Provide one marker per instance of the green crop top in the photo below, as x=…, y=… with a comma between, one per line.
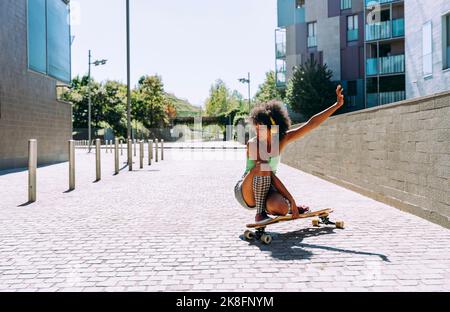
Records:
x=273, y=163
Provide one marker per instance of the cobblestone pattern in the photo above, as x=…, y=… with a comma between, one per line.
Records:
x=175, y=226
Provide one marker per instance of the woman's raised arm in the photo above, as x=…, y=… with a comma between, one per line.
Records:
x=314, y=121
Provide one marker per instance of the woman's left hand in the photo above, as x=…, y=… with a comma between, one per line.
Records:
x=303, y=209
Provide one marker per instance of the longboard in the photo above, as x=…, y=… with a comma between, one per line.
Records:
x=267, y=239
x=323, y=212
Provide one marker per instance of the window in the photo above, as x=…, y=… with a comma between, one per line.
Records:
x=37, y=51
x=346, y=4
x=427, y=50
x=299, y=3
x=49, y=38
x=352, y=28
x=312, y=39
x=446, y=41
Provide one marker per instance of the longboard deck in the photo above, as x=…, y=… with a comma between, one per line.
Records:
x=318, y=213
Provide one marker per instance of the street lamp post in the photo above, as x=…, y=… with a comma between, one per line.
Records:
x=247, y=81
x=128, y=73
x=96, y=63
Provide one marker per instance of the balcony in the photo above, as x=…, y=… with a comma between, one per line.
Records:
x=280, y=50
x=386, y=65
x=312, y=42
x=370, y=3
x=280, y=73
x=382, y=98
x=281, y=79
x=352, y=35
x=385, y=30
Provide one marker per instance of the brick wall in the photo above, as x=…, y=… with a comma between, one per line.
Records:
x=29, y=109
x=398, y=154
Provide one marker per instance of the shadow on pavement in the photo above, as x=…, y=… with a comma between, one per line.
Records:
x=149, y=170
x=26, y=204
x=289, y=246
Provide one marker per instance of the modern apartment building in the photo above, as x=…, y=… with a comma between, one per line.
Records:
x=34, y=63
x=328, y=31
x=382, y=51
x=427, y=47
x=385, y=51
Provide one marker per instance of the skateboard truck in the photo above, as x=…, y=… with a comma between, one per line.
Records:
x=326, y=221
x=259, y=234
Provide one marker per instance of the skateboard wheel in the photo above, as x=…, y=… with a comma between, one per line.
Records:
x=249, y=235
x=266, y=239
x=315, y=222
x=339, y=224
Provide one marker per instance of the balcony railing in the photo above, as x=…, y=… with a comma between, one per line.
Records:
x=385, y=30
x=382, y=98
x=370, y=3
x=398, y=27
x=392, y=64
x=351, y=100
x=385, y=65
x=352, y=34
x=281, y=79
x=312, y=42
x=281, y=50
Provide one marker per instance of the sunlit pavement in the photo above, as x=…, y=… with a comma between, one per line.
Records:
x=175, y=226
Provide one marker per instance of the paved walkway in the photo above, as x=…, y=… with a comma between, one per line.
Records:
x=176, y=226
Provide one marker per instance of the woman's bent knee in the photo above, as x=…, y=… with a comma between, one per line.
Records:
x=277, y=205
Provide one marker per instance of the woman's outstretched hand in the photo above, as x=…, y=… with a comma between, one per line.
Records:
x=340, y=96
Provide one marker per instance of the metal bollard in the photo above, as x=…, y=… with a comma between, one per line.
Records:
x=106, y=146
x=130, y=155
x=116, y=155
x=150, y=152
x=134, y=147
x=32, y=164
x=121, y=148
x=97, y=160
x=162, y=150
x=111, y=146
x=156, y=150
x=71, y=165
x=141, y=154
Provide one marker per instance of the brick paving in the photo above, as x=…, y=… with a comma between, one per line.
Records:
x=175, y=226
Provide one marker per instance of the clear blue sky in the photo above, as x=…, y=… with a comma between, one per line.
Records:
x=190, y=43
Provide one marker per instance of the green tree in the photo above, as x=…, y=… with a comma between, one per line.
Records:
x=221, y=100
x=268, y=90
x=149, y=102
x=217, y=101
x=113, y=101
x=310, y=90
x=108, y=108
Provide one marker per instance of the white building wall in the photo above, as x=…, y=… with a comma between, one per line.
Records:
x=418, y=12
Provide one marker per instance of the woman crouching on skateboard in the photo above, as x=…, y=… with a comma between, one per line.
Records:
x=259, y=188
